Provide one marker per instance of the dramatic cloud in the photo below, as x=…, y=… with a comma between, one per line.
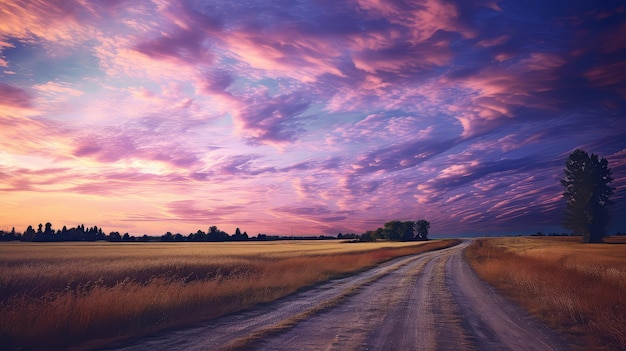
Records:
x=308, y=116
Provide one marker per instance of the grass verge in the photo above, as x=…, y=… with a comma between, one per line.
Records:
x=577, y=289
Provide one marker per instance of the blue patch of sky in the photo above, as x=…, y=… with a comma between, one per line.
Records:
x=273, y=86
x=17, y=57
x=319, y=119
x=35, y=62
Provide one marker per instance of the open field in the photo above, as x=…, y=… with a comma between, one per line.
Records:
x=77, y=295
x=578, y=289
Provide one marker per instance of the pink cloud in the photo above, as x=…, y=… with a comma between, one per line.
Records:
x=14, y=97
x=118, y=58
x=64, y=22
x=56, y=88
x=28, y=179
x=116, y=144
x=495, y=41
x=187, y=210
x=24, y=132
x=284, y=54
x=423, y=18
x=272, y=120
x=541, y=62
x=56, y=97
x=496, y=91
x=403, y=58
x=3, y=61
x=611, y=76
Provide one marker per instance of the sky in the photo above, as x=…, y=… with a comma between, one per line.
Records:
x=306, y=117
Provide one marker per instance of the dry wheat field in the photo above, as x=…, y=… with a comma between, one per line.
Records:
x=84, y=295
x=578, y=289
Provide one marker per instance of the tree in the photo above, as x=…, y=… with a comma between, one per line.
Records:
x=29, y=234
x=238, y=236
x=367, y=236
x=422, y=227
x=215, y=234
x=407, y=229
x=380, y=233
x=48, y=232
x=115, y=236
x=167, y=237
x=199, y=236
x=587, y=193
x=393, y=230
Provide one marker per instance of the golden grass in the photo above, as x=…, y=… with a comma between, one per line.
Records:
x=578, y=289
x=80, y=295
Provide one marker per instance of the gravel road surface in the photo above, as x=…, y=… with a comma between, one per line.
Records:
x=429, y=301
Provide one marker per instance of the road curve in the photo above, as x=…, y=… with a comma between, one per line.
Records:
x=429, y=301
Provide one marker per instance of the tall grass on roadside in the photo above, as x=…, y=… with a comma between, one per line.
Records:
x=578, y=289
x=86, y=299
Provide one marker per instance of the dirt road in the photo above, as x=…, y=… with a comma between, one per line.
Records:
x=430, y=301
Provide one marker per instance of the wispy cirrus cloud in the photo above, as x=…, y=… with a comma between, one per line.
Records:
x=324, y=116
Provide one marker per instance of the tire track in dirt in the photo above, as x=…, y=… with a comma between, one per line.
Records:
x=417, y=321
x=493, y=322
x=348, y=326
x=429, y=301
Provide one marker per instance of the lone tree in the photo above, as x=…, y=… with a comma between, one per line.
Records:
x=587, y=193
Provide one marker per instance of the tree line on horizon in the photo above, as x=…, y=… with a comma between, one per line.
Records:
x=393, y=231
x=45, y=233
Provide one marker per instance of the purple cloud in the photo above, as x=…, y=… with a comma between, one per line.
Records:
x=243, y=165
x=402, y=156
x=273, y=119
x=185, y=46
x=115, y=144
x=12, y=96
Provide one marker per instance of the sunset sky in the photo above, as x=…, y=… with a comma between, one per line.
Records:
x=322, y=116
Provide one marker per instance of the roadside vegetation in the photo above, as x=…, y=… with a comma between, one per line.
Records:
x=58, y=296
x=577, y=289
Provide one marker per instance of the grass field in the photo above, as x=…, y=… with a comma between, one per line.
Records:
x=578, y=289
x=57, y=296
